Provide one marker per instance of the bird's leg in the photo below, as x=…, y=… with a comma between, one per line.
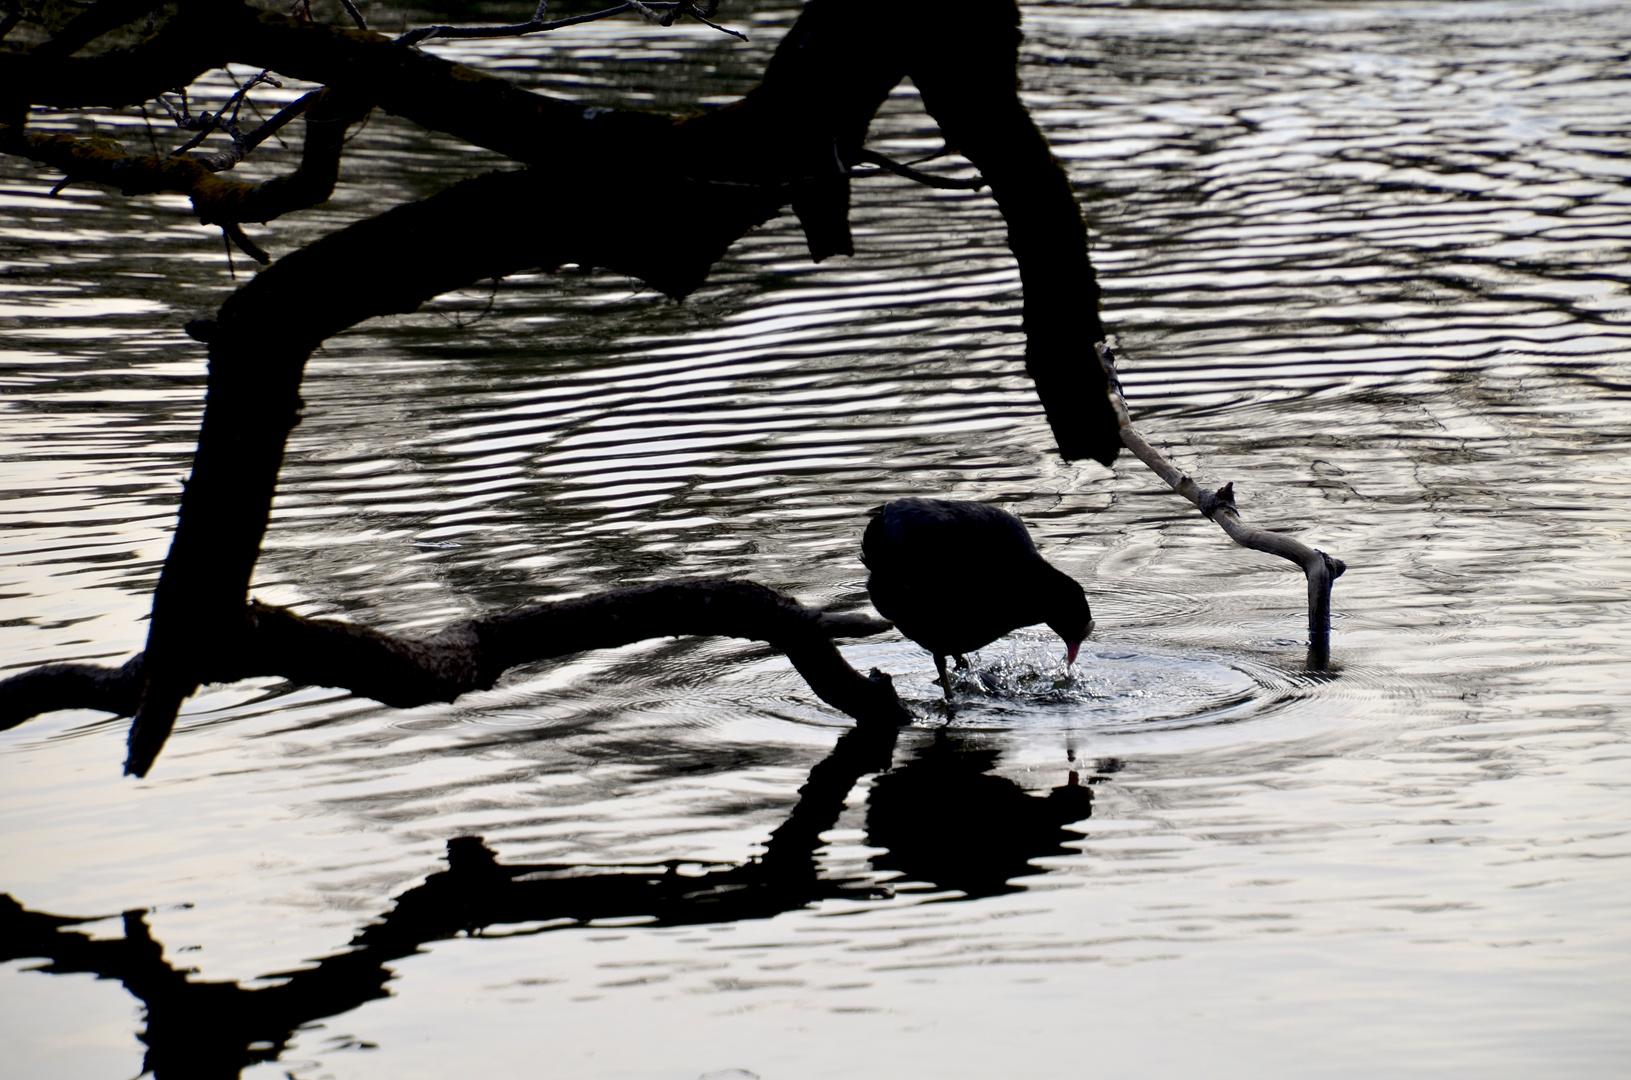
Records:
x=962, y=662
x=945, y=680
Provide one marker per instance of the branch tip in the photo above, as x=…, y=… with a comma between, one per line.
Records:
x=1319, y=568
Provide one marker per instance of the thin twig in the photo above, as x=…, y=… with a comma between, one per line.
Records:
x=207, y=123
x=152, y=139
x=885, y=164
x=247, y=246
x=1320, y=569
x=537, y=25
x=356, y=16
x=705, y=16
x=243, y=145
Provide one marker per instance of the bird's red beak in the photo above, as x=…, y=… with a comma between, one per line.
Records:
x=1070, y=652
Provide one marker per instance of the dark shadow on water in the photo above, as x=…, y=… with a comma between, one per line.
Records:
x=946, y=821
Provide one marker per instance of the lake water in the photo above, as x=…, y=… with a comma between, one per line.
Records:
x=1368, y=261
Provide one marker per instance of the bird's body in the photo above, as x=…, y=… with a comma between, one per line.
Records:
x=956, y=576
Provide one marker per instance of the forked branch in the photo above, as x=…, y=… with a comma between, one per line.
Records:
x=1319, y=568
x=216, y=199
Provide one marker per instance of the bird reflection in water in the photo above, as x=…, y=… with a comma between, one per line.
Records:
x=947, y=824
x=946, y=820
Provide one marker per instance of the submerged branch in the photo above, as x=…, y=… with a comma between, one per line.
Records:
x=405, y=672
x=1320, y=569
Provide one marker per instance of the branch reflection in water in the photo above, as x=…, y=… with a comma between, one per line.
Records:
x=946, y=824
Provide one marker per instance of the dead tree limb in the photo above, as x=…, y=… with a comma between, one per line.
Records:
x=885, y=164
x=216, y=199
x=71, y=686
x=469, y=656
x=791, y=140
x=538, y=24
x=1219, y=506
x=356, y=16
x=91, y=24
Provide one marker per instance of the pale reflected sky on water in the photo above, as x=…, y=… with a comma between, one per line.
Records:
x=1366, y=261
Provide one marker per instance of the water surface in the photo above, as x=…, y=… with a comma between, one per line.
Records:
x=1366, y=261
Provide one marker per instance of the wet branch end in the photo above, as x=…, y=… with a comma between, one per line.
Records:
x=1219, y=506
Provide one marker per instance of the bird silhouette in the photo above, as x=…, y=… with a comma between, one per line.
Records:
x=956, y=576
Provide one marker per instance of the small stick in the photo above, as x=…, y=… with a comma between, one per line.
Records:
x=885, y=164
x=537, y=25
x=236, y=234
x=1320, y=569
x=356, y=16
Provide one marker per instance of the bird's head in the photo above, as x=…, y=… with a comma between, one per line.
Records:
x=1068, y=614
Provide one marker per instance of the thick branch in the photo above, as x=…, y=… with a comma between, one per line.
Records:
x=791, y=139
x=482, y=109
x=71, y=686
x=965, y=67
x=385, y=265
x=91, y=24
x=184, y=48
x=1320, y=569
x=405, y=672
x=472, y=655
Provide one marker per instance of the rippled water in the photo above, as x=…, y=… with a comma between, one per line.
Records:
x=1367, y=261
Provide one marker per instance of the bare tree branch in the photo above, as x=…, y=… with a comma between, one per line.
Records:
x=1219, y=506
x=71, y=686
x=244, y=145
x=208, y=123
x=405, y=672
x=216, y=200
x=872, y=157
x=236, y=234
x=91, y=24
x=735, y=167
x=356, y=16
x=537, y=25
x=185, y=47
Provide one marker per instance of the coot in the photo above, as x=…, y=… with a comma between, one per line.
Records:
x=956, y=576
